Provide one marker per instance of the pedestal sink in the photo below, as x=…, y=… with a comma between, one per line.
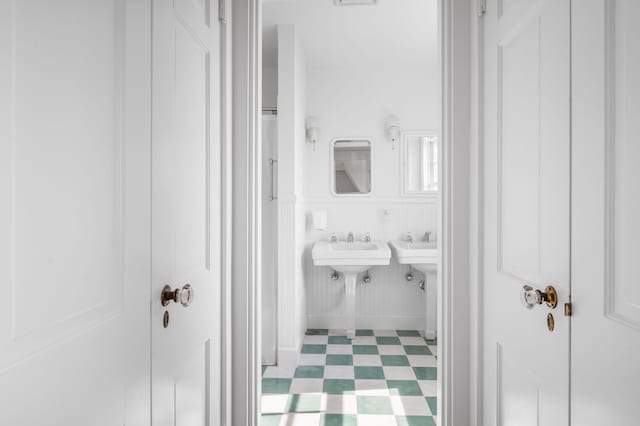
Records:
x=423, y=256
x=350, y=259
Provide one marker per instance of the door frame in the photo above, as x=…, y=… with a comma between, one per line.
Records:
x=459, y=316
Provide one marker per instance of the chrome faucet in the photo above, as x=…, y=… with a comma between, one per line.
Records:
x=427, y=236
x=333, y=238
x=409, y=237
x=367, y=238
x=350, y=237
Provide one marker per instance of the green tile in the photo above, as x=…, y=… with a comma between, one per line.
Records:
x=309, y=372
x=426, y=373
x=304, y=404
x=339, y=340
x=317, y=332
x=433, y=404
x=338, y=386
x=369, y=373
x=404, y=387
x=364, y=332
x=365, y=349
x=415, y=421
x=270, y=419
x=431, y=341
x=384, y=340
x=339, y=359
x=338, y=420
x=395, y=360
x=374, y=405
x=276, y=385
x=417, y=350
x=314, y=349
x=408, y=333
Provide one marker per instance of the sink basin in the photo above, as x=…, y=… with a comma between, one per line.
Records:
x=350, y=259
x=350, y=254
x=421, y=255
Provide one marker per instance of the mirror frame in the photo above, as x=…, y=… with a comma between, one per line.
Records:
x=403, y=163
x=332, y=186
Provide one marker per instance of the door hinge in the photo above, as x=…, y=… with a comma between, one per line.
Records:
x=568, y=309
x=482, y=7
x=222, y=11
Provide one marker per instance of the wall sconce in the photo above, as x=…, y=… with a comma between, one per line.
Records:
x=313, y=131
x=392, y=129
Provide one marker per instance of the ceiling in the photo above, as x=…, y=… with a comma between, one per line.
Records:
x=394, y=34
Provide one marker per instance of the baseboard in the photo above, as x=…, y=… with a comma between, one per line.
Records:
x=430, y=334
x=368, y=322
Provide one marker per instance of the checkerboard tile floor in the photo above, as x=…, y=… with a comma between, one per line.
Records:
x=381, y=377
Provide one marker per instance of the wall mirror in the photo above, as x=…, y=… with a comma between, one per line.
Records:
x=351, y=167
x=419, y=150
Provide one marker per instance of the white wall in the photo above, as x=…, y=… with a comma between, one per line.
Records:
x=356, y=104
x=291, y=130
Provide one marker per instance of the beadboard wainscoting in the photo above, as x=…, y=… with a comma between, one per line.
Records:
x=389, y=301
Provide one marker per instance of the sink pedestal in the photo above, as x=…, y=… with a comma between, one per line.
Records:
x=350, y=273
x=350, y=304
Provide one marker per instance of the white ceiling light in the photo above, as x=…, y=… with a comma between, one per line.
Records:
x=355, y=2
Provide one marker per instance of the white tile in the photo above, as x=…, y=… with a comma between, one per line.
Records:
x=391, y=350
x=368, y=360
x=316, y=340
x=279, y=372
x=433, y=349
x=399, y=373
x=429, y=387
x=300, y=419
x=372, y=387
x=338, y=372
x=272, y=403
x=413, y=341
x=385, y=333
x=376, y=420
x=306, y=386
x=364, y=340
x=312, y=359
x=422, y=360
x=410, y=406
x=339, y=349
x=340, y=404
x=337, y=332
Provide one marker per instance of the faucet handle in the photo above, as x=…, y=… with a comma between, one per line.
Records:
x=333, y=238
x=350, y=237
x=409, y=237
x=427, y=236
x=367, y=237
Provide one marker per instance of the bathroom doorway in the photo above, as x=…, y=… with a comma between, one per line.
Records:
x=350, y=167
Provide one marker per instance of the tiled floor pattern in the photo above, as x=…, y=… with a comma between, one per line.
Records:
x=380, y=378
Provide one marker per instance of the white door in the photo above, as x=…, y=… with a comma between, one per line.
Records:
x=527, y=210
x=269, y=239
x=186, y=213
x=605, y=331
x=74, y=212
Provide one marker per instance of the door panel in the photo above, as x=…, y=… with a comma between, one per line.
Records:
x=73, y=239
x=527, y=208
x=186, y=212
x=605, y=156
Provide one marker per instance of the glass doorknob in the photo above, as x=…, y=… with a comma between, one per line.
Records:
x=531, y=297
x=183, y=295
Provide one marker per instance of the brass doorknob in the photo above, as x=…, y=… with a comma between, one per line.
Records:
x=531, y=297
x=183, y=295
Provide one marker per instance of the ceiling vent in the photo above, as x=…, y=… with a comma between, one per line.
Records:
x=355, y=2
